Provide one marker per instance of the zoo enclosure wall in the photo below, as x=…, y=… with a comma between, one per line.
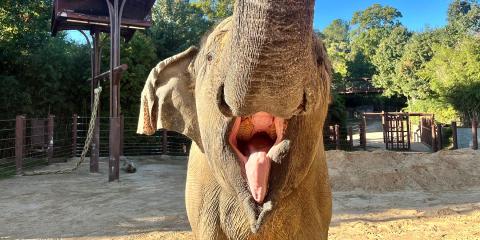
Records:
x=27, y=143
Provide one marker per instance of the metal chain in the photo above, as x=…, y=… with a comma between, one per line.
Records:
x=86, y=147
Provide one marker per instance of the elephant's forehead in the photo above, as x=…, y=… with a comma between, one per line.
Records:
x=218, y=34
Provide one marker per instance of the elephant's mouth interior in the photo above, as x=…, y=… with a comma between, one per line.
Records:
x=252, y=137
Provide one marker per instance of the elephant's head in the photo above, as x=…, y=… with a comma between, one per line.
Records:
x=256, y=91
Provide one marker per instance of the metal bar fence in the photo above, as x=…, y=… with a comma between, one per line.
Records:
x=133, y=144
x=27, y=143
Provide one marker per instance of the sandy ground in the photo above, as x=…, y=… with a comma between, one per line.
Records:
x=377, y=195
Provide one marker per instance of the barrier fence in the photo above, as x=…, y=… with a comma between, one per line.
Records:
x=26, y=143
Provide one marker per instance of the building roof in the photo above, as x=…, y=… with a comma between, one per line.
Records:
x=93, y=15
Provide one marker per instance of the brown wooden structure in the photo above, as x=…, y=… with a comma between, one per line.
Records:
x=397, y=129
x=118, y=18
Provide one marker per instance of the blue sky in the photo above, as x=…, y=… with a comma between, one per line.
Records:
x=417, y=14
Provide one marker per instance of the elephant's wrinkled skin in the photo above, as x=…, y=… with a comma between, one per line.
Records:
x=260, y=78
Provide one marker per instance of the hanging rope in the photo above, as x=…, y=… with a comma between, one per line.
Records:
x=88, y=141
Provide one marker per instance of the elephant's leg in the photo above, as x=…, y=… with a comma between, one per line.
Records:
x=202, y=198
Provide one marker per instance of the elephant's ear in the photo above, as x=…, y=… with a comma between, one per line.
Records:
x=168, y=98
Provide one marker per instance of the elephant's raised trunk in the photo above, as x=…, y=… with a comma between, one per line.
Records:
x=269, y=55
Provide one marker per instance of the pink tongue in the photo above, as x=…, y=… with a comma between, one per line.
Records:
x=257, y=170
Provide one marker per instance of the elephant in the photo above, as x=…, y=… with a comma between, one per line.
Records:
x=253, y=98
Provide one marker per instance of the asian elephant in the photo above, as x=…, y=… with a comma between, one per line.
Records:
x=253, y=99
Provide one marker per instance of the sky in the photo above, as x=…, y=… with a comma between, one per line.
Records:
x=417, y=14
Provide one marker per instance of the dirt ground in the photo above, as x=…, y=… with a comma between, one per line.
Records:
x=377, y=195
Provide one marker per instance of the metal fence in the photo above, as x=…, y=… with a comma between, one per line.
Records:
x=133, y=144
x=31, y=142
x=26, y=143
x=7, y=146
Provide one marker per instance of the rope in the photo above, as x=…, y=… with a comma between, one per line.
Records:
x=88, y=141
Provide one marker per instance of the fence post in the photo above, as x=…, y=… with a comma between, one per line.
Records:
x=434, y=135
x=409, y=135
x=474, y=134
x=362, y=136
x=50, y=129
x=122, y=132
x=350, y=137
x=19, y=142
x=74, y=134
x=440, y=136
x=454, y=135
x=164, y=141
x=337, y=137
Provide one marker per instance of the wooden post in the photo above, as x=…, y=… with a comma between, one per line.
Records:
x=363, y=135
x=383, y=126
x=122, y=133
x=474, y=134
x=19, y=142
x=440, y=136
x=386, y=129
x=164, y=142
x=337, y=137
x=408, y=132
x=96, y=65
x=434, y=135
x=454, y=135
x=350, y=137
x=50, y=129
x=74, y=134
x=114, y=140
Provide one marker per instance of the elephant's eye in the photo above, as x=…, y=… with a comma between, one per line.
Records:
x=210, y=56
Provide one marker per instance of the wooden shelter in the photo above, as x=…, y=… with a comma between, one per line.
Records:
x=119, y=18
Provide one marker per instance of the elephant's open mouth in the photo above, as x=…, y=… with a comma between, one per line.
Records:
x=257, y=140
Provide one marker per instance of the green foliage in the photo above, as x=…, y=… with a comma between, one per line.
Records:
x=337, y=112
x=39, y=74
x=216, y=10
x=337, y=44
x=417, y=52
x=436, y=70
x=454, y=73
x=444, y=112
x=371, y=26
x=140, y=56
x=177, y=25
x=377, y=16
x=464, y=17
x=386, y=58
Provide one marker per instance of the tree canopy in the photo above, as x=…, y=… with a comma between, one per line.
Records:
x=437, y=70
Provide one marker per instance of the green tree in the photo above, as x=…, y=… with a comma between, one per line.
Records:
x=215, y=10
x=464, y=16
x=140, y=56
x=389, y=52
x=39, y=74
x=454, y=73
x=417, y=53
x=337, y=44
x=371, y=25
x=177, y=25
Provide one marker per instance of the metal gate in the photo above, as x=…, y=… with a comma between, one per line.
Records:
x=396, y=131
x=428, y=131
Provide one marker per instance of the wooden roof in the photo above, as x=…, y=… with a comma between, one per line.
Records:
x=93, y=15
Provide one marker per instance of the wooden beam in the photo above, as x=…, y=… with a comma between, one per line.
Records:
x=104, y=76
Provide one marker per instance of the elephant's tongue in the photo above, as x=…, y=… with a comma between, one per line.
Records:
x=257, y=167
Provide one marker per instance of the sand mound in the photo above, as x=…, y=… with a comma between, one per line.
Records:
x=383, y=171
